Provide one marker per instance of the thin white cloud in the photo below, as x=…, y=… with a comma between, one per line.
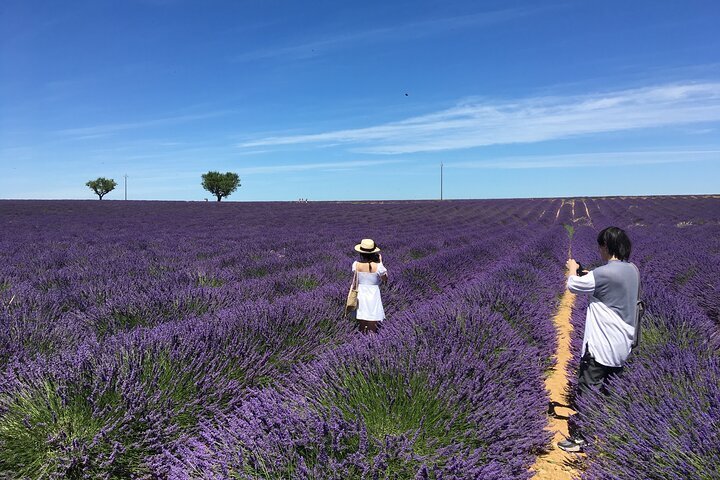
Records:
x=98, y=130
x=349, y=165
x=411, y=30
x=252, y=152
x=477, y=123
x=91, y=137
x=603, y=159
x=698, y=131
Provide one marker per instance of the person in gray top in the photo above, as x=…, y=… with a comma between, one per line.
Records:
x=610, y=328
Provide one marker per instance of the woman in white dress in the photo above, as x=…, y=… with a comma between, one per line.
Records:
x=370, y=274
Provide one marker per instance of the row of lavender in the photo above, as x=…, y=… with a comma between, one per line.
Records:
x=662, y=418
x=70, y=274
x=449, y=389
x=132, y=333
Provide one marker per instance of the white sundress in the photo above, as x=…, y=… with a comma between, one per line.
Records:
x=370, y=305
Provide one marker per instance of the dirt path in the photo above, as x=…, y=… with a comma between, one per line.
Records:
x=564, y=202
x=556, y=464
x=587, y=212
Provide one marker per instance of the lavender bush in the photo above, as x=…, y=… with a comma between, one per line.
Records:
x=120, y=343
x=187, y=340
x=445, y=391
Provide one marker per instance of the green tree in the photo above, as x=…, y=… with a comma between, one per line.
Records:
x=102, y=186
x=220, y=184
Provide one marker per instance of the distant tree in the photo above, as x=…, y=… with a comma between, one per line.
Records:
x=102, y=186
x=220, y=184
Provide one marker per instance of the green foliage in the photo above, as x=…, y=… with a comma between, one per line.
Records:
x=119, y=321
x=158, y=271
x=174, y=380
x=102, y=186
x=416, y=253
x=682, y=278
x=256, y=272
x=394, y=404
x=514, y=315
x=571, y=232
x=220, y=184
x=41, y=430
x=655, y=334
x=204, y=280
x=290, y=339
x=306, y=282
x=59, y=428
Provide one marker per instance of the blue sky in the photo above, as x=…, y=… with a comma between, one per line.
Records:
x=331, y=100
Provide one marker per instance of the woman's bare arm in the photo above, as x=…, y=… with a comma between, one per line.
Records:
x=384, y=277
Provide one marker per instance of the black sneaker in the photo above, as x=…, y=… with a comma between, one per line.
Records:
x=572, y=445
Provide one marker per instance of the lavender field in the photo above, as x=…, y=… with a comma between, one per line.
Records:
x=205, y=340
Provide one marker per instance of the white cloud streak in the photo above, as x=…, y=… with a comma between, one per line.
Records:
x=478, y=123
x=411, y=30
x=603, y=159
x=103, y=130
x=327, y=166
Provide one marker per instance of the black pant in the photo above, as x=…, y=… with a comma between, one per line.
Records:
x=590, y=374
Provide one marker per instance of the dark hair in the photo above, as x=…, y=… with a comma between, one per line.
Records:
x=370, y=257
x=617, y=242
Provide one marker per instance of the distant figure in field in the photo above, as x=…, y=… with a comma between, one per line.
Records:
x=370, y=274
x=610, y=325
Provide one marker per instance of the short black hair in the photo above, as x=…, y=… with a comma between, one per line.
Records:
x=617, y=242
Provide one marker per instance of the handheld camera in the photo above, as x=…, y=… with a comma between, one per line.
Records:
x=580, y=271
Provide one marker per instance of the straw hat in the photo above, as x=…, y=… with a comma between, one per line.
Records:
x=366, y=246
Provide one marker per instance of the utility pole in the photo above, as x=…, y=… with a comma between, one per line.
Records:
x=126, y=186
x=441, y=180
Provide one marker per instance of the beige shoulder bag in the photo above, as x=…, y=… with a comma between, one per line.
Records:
x=352, y=301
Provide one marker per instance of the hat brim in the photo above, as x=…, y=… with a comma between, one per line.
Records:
x=360, y=250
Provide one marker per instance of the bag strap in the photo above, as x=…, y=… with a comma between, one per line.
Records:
x=638, y=305
x=639, y=295
x=353, y=285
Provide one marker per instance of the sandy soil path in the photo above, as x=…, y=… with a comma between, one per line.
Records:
x=557, y=464
x=587, y=212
